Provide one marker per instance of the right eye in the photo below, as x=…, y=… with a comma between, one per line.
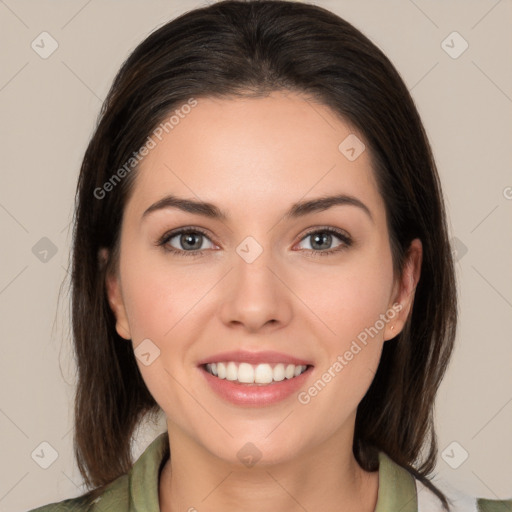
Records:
x=190, y=239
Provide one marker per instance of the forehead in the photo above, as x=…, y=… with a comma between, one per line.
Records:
x=251, y=152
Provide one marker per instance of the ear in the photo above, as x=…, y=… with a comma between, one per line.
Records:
x=115, y=297
x=405, y=288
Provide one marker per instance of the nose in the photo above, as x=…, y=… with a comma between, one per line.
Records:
x=254, y=296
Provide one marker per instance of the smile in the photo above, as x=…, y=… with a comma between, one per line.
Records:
x=246, y=373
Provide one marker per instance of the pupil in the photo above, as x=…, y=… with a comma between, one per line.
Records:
x=188, y=238
x=326, y=237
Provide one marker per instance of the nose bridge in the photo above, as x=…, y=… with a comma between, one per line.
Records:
x=252, y=270
x=256, y=296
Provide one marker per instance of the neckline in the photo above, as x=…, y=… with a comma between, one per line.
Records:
x=396, y=490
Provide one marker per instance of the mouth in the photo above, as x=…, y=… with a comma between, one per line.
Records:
x=255, y=379
x=262, y=374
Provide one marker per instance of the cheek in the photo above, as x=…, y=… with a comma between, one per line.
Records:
x=352, y=297
x=157, y=295
x=352, y=302
x=159, y=300
x=352, y=354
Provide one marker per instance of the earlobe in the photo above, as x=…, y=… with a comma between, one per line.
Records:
x=116, y=302
x=404, y=297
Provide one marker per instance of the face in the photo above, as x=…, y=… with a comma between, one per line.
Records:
x=311, y=287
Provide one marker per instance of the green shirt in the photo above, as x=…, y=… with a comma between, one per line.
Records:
x=137, y=491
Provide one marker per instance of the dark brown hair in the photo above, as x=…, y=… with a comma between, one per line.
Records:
x=235, y=48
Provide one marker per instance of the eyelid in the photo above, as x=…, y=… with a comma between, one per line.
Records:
x=179, y=231
x=344, y=236
x=330, y=229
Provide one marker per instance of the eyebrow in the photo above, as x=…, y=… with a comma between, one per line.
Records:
x=297, y=210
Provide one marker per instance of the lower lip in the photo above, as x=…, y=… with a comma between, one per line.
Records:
x=255, y=395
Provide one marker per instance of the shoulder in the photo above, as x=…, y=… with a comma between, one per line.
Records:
x=115, y=497
x=135, y=490
x=485, y=505
x=399, y=489
x=458, y=500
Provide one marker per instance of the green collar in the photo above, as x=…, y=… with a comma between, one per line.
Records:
x=397, y=488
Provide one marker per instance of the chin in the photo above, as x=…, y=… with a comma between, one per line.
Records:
x=258, y=449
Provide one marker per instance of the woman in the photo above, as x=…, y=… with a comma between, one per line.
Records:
x=239, y=143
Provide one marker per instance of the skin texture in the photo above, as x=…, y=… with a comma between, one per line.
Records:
x=253, y=158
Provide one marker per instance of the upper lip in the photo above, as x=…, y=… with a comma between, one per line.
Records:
x=266, y=356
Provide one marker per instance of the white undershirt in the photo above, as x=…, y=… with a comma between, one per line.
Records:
x=429, y=502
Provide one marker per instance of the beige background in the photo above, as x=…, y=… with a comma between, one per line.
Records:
x=48, y=111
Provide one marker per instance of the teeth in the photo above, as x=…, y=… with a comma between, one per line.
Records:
x=245, y=373
x=263, y=374
x=279, y=372
x=231, y=371
x=289, y=371
x=254, y=374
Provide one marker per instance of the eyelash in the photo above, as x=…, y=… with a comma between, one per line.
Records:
x=347, y=241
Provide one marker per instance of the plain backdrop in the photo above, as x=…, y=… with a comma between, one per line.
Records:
x=48, y=111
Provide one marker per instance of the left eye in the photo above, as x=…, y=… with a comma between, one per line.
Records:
x=322, y=239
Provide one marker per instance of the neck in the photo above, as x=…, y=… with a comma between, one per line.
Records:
x=195, y=479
